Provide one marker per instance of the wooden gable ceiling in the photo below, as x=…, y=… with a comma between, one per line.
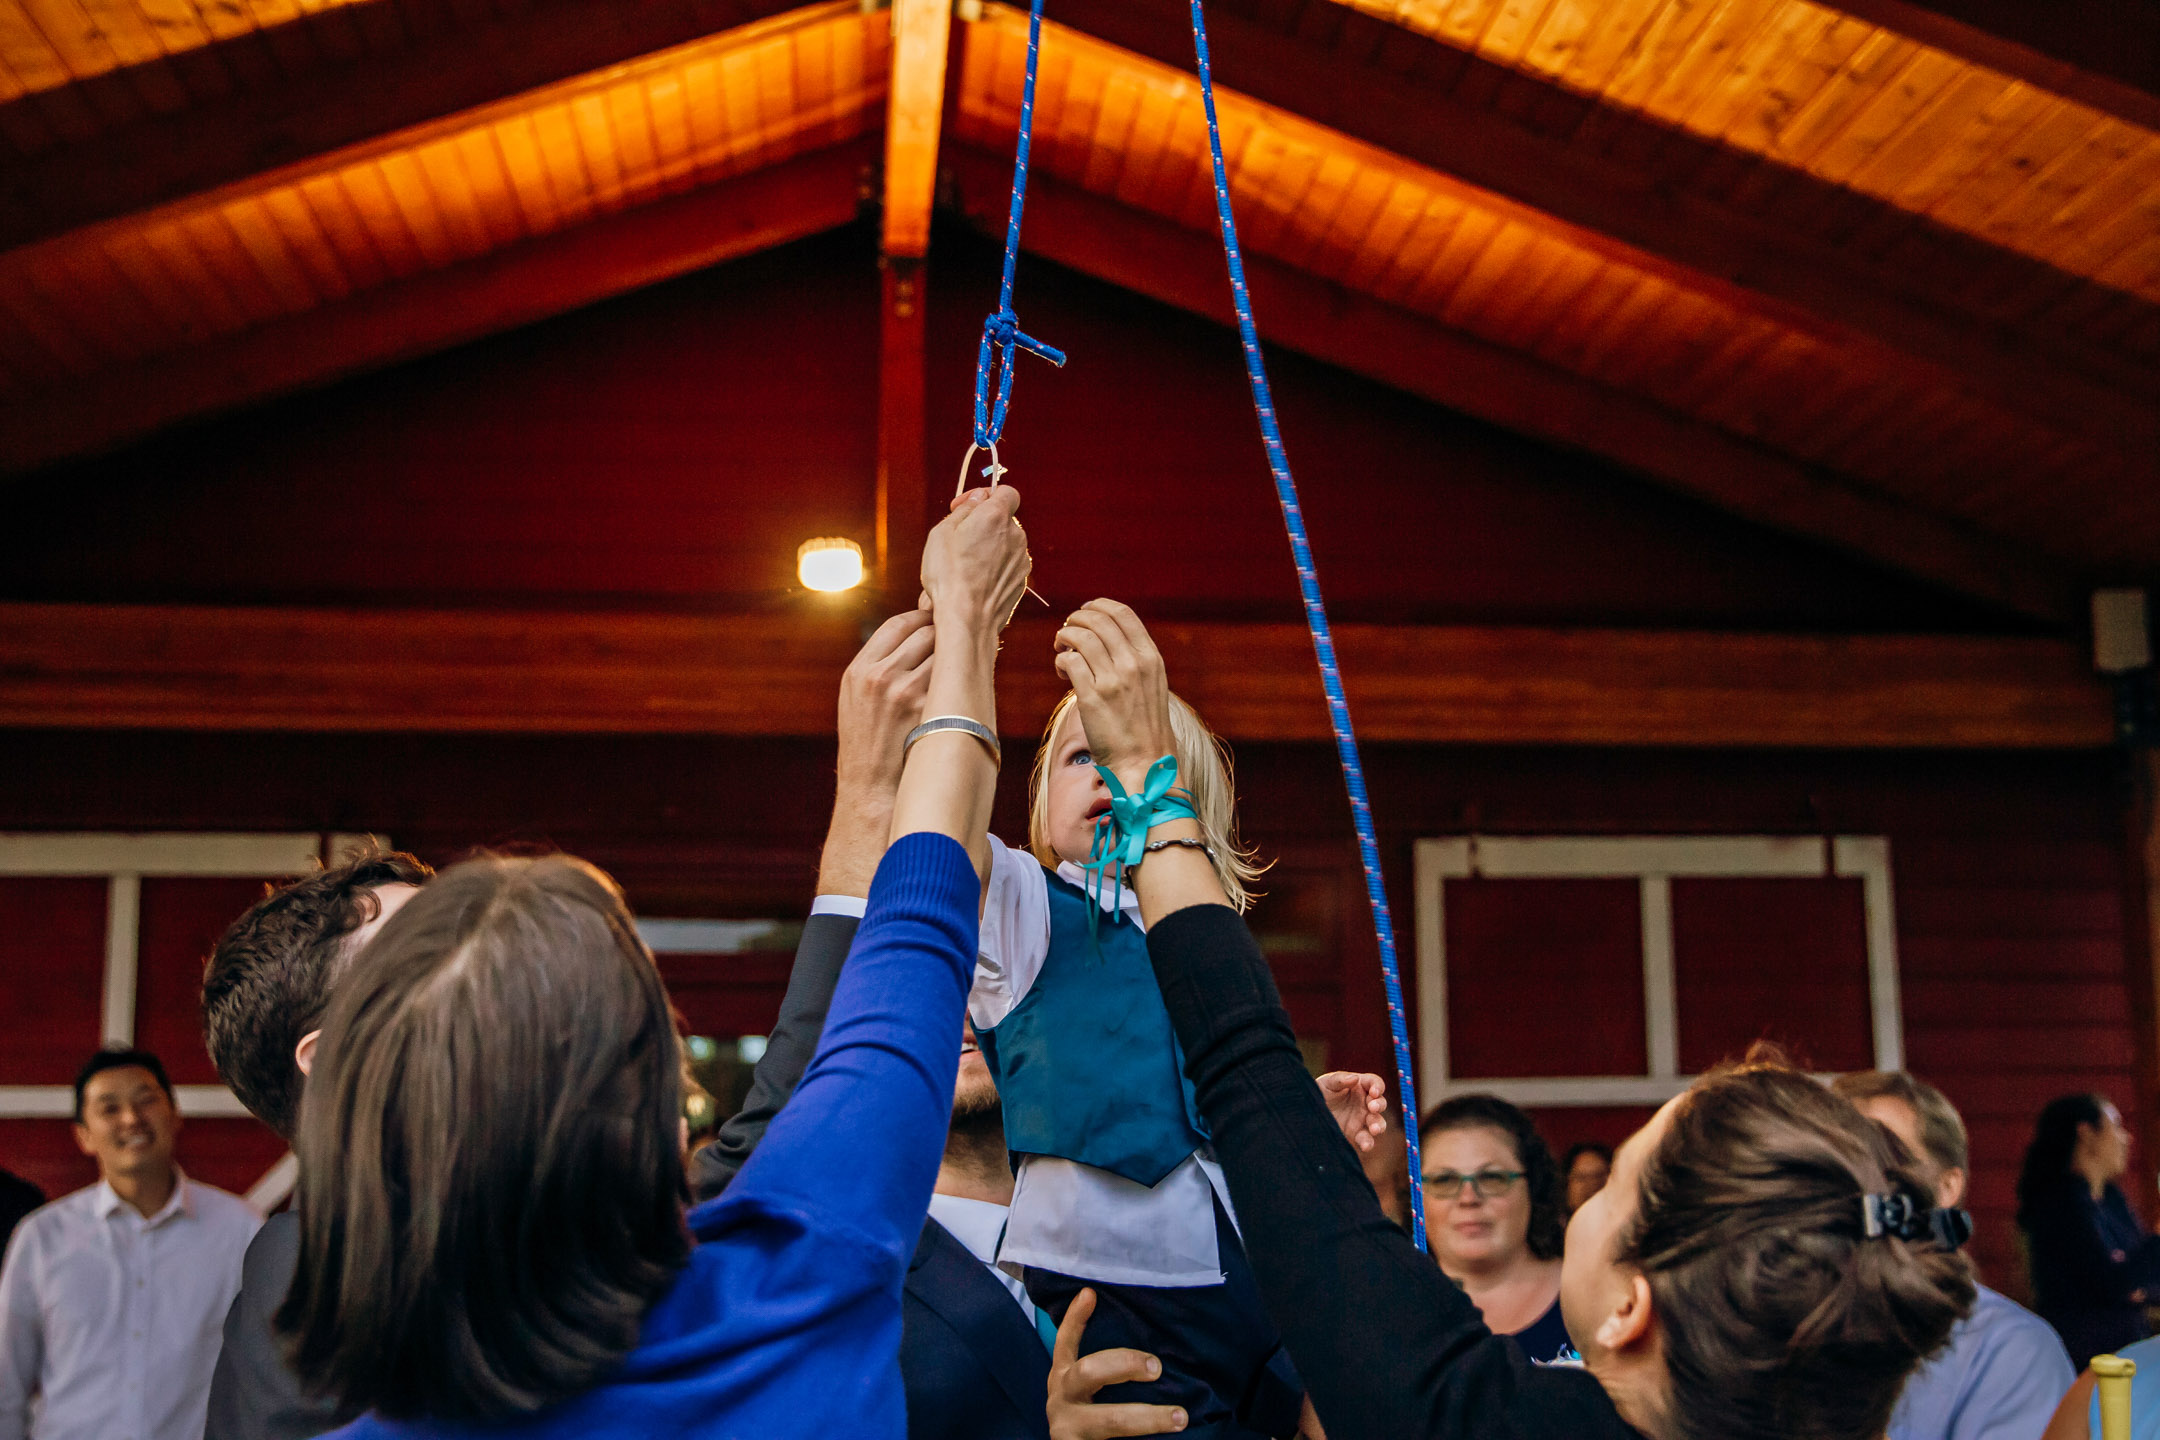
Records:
x=1852, y=282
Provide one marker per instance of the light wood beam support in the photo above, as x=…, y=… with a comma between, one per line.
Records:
x=1794, y=279
x=903, y=483
x=1184, y=268
x=915, y=108
x=433, y=311
x=187, y=668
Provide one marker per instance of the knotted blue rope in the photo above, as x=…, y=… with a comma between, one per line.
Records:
x=1002, y=332
x=1316, y=621
x=1121, y=838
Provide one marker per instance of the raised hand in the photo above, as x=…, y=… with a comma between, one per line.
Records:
x=1359, y=1104
x=1118, y=681
x=881, y=699
x=1074, y=1379
x=975, y=562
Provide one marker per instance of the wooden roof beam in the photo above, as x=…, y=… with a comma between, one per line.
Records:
x=441, y=308
x=1184, y=268
x=1348, y=71
x=914, y=114
x=2104, y=53
x=261, y=126
x=241, y=669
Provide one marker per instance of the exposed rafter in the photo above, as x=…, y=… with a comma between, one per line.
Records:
x=914, y=114
x=441, y=308
x=1184, y=268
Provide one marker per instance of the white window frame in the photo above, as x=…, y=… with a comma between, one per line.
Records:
x=1654, y=862
x=123, y=861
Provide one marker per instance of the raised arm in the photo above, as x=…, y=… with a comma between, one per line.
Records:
x=857, y=1149
x=881, y=696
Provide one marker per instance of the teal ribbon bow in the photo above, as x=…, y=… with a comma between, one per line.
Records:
x=1121, y=842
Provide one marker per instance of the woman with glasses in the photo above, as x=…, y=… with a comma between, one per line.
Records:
x=1492, y=1212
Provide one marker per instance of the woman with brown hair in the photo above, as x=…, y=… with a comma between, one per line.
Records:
x=1763, y=1266
x=1492, y=1205
x=492, y=1200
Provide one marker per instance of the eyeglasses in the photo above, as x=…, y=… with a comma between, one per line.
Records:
x=1485, y=1184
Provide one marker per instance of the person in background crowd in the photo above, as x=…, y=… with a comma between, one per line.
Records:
x=2093, y=1266
x=1763, y=1266
x=265, y=988
x=18, y=1197
x=1584, y=1169
x=1492, y=1212
x=2004, y=1369
x=110, y=1297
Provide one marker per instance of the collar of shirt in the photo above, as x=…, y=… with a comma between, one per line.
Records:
x=1127, y=901
x=976, y=1224
x=108, y=1201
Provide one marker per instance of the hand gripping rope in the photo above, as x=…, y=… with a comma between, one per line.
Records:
x=1002, y=330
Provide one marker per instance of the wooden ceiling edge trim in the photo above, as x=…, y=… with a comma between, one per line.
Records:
x=2114, y=94
x=1182, y=268
x=162, y=158
x=1654, y=226
x=229, y=668
x=515, y=286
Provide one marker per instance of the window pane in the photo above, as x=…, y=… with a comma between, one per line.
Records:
x=1544, y=978
x=1778, y=959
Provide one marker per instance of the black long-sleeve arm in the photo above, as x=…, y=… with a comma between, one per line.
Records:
x=2083, y=1251
x=819, y=956
x=1386, y=1344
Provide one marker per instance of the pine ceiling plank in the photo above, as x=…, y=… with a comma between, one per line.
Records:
x=1549, y=273
x=518, y=141
x=211, y=235
x=34, y=61
x=706, y=121
x=2114, y=213
x=1315, y=219
x=445, y=183
x=2013, y=108
x=86, y=288
x=257, y=235
x=1613, y=31
x=302, y=233
x=1507, y=260
x=1735, y=99
x=344, y=231
x=1739, y=352
x=55, y=332
x=596, y=140
x=1868, y=127
x=1787, y=92
x=1662, y=44
x=1452, y=263
x=739, y=106
x=220, y=309
x=133, y=256
x=387, y=228
x=2059, y=124
x=631, y=126
x=672, y=156
x=492, y=196
x=2046, y=217
x=405, y=182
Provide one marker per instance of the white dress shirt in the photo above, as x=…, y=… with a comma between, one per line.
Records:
x=1068, y=1217
x=110, y=1323
x=977, y=1224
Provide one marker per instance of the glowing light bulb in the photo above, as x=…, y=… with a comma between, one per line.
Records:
x=829, y=564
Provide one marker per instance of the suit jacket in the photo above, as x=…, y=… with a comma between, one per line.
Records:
x=974, y=1367
x=252, y=1395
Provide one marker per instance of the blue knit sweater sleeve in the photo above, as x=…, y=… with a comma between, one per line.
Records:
x=857, y=1146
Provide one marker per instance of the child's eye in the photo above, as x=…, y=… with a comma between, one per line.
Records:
x=1081, y=757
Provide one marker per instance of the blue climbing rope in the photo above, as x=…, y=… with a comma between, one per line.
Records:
x=1316, y=620
x=1002, y=331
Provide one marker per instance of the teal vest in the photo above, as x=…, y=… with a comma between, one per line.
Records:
x=1087, y=1066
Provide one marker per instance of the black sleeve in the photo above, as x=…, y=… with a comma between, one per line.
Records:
x=1387, y=1346
x=253, y=1396
x=2072, y=1261
x=819, y=955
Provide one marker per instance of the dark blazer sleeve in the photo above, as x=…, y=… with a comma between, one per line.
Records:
x=819, y=955
x=252, y=1395
x=1387, y=1347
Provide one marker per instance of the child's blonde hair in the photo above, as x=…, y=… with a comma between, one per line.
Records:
x=1203, y=772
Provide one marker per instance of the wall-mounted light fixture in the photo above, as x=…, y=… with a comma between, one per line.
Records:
x=830, y=563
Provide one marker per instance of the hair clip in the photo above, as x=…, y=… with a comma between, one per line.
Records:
x=1897, y=1215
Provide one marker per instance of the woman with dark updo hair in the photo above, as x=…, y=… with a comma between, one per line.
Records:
x=2093, y=1266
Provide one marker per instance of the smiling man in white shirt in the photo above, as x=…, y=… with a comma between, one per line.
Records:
x=111, y=1298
